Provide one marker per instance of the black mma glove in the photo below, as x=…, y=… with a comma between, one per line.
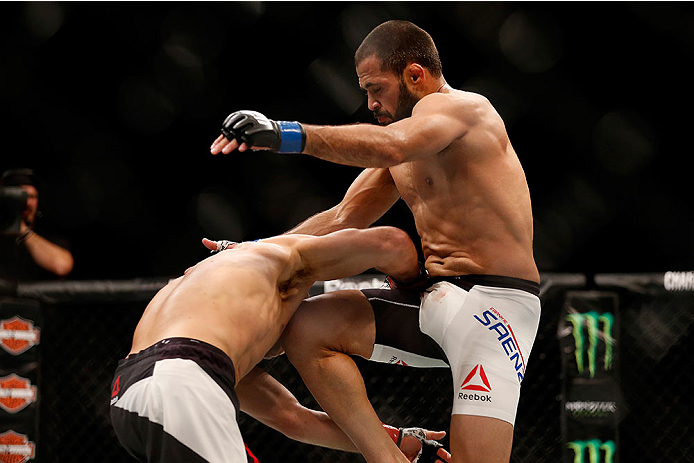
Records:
x=255, y=129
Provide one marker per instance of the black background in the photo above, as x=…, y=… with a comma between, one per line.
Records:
x=115, y=105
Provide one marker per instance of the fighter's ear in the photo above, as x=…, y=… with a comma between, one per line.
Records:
x=414, y=73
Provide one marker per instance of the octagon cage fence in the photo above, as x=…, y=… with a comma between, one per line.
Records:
x=643, y=356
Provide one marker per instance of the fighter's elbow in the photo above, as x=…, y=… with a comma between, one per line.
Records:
x=393, y=158
x=289, y=423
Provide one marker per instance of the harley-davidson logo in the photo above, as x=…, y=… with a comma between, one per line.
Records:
x=15, y=448
x=18, y=335
x=16, y=393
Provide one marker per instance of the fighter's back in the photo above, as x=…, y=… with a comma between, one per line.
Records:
x=470, y=201
x=231, y=300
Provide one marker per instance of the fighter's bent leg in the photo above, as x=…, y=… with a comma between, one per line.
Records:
x=318, y=341
x=480, y=439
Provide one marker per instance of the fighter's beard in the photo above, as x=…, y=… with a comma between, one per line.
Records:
x=406, y=102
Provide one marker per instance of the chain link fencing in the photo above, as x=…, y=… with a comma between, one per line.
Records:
x=88, y=326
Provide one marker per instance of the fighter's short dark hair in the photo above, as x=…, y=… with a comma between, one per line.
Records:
x=397, y=44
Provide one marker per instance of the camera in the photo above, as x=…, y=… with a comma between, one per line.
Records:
x=13, y=201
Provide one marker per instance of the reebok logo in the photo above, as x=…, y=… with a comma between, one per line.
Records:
x=396, y=361
x=476, y=380
x=116, y=387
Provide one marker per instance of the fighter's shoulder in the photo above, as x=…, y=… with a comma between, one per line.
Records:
x=284, y=248
x=455, y=102
x=283, y=241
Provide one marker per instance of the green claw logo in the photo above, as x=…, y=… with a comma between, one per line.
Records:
x=598, y=451
x=597, y=327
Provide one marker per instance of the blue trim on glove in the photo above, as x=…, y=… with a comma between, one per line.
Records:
x=292, y=137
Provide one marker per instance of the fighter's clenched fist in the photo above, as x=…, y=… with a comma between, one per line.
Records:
x=250, y=129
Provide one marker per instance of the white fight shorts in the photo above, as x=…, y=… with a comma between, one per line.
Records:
x=482, y=326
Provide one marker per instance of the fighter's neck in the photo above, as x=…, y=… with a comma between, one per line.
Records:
x=443, y=87
x=439, y=86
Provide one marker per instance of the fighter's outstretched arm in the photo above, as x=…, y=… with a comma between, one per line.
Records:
x=437, y=120
x=352, y=251
x=268, y=401
x=435, y=123
x=343, y=253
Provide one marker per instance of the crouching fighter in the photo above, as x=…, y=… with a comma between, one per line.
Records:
x=175, y=397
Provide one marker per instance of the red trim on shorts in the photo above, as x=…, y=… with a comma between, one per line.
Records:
x=251, y=457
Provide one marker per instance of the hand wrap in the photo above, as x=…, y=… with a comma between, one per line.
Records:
x=254, y=129
x=222, y=245
x=429, y=451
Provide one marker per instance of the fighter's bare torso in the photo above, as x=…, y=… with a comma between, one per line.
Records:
x=470, y=201
x=231, y=300
x=240, y=300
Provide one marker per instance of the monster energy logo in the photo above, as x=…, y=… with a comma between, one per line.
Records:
x=597, y=327
x=590, y=408
x=595, y=449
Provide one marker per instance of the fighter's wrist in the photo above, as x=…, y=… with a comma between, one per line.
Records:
x=394, y=433
x=292, y=137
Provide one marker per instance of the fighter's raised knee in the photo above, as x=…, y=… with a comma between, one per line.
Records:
x=342, y=321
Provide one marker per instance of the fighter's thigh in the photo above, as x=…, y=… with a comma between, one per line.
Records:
x=340, y=321
x=480, y=439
